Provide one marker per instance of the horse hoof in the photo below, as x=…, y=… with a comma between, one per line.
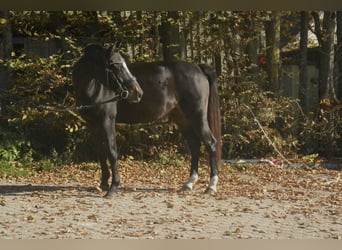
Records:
x=109, y=194
x=210, y=191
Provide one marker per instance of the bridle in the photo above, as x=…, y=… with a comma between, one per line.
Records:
x=121, y=91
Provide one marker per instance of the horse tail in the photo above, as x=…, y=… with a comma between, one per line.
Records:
x=214, y=114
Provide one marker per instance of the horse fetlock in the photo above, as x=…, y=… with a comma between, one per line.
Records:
x=191, y=182
x=186, y=187
x=212, y=188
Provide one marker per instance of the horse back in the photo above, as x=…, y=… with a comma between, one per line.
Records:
x=166, y=86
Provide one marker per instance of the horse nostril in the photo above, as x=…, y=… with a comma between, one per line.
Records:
x=139, y=92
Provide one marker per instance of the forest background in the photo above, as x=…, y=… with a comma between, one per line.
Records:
x=251, y=52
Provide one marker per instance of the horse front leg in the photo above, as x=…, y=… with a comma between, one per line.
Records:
x=111, y=149
x=99, y=140
x=103, y=153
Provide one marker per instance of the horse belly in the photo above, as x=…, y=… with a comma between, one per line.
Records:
x=142, y=112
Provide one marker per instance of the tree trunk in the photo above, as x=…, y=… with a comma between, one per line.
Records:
x=252, y=46
x=156, y=35
x=182, y=38
x=7, y=34
x=93, y=27
x=326, y=83
x=339, y=53
x=217, y=50
x=199, y=16
x=272, y=29
x=170, y=37
x=325, y=35
x=8, y=48
x=303, y=69
x=55, y=26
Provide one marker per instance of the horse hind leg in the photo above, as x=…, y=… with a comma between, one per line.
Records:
x=210, y=143
x=194, y=138
x=194, y=144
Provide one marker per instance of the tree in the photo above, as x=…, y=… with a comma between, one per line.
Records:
x=329, y=24
x=170, y=37
x=272, y=30
x=328, y=128
x=325, y=36
x=6, y=30
x=339, y=52
x=303, y=69
x=56, y=26
x=253, y=41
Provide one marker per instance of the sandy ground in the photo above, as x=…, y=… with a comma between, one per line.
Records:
x=262, y=203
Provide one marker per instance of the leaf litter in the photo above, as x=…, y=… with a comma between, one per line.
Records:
x=262, y=201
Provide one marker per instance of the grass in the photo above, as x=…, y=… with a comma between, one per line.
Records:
x=13, y=169
x=25, y=168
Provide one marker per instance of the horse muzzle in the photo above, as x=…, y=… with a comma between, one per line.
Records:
x=135, y=93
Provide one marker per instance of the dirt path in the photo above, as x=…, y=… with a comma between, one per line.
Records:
x=264, y=202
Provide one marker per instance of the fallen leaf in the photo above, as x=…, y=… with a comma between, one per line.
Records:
x=30, y=218
x=170, y=204
x=92, y=217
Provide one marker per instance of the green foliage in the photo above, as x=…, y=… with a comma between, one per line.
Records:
x=45, y=165
x=12, y=169
x=310, y=159
x=14, y=147
x=15, y=153
x=170, y=157
x=41, y=88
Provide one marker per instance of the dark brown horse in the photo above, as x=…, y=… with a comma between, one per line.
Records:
x=101, y=78
x=185, y=92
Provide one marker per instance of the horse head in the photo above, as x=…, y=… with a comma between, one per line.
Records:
x=129, y=87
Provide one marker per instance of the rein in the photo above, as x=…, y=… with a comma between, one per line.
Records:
x=120, y=96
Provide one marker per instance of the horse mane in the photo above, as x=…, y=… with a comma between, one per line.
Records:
x=93, y=50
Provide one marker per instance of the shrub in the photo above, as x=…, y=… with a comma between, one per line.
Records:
x=41, y=87
x=322, y=132
x=245, y=107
